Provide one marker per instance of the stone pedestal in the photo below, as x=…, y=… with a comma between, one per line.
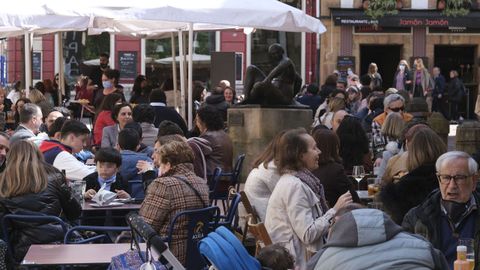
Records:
x=252, y=127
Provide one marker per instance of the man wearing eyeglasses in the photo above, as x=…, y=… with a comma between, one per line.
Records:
x=393, y=103
x=450, y=213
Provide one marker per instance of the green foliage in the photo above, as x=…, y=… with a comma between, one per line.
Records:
x=379, y=8
x=96, y=44
x=454, y=8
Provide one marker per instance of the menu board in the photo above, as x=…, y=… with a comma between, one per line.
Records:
x=127, y=63
x=344, y=63
x=37, y=65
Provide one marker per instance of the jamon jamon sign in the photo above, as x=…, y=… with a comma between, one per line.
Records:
x=424, y=22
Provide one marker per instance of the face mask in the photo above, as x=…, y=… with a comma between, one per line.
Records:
x=402, y=67
x=107, y=84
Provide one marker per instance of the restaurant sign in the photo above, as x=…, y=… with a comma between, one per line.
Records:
x=432, y=19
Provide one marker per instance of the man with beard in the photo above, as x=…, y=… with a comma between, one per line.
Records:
x=96, y=74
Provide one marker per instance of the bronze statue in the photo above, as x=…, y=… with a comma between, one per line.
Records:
x=279, y=87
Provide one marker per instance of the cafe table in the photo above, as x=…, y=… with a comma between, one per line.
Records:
x=74, y=254
x=90, y=206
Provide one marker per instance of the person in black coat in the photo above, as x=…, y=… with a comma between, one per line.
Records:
x=30, y=186
x=456, y=92
x=438, y=92
x=217, y=101
x=423, y=150
x=158, y=100
x=330, y=170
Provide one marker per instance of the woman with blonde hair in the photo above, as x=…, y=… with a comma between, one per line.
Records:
x=423, y=84
x=402, y=80
x=375, y=76
x=29, y=184
x=36, y=97
x=334, y=105
x=391, y=132
x=423, y=150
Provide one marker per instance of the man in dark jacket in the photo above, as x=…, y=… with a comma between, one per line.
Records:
x=158, y=101
x=438, y=91
x=451, y=212
x=311, y=98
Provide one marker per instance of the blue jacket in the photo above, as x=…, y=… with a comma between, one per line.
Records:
x=440, y=85
x=129, y=170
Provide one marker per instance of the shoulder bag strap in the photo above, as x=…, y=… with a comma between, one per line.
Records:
x=194, y=189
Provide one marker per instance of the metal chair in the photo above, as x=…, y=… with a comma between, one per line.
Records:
x=235, y=174
x=198, y=222
x=215, y=192
x=227, y=220
x=104, y=237
x=29, y=220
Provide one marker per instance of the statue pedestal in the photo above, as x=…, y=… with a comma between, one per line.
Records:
x=252, y=127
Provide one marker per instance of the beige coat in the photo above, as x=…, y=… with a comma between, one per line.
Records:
x=295, y=220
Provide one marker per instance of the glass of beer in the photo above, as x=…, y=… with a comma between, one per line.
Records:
x=468, y=242
x=373, y=187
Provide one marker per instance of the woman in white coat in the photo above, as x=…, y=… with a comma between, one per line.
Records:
x=298, y=216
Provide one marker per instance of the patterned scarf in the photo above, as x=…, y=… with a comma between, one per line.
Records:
x=313, y=182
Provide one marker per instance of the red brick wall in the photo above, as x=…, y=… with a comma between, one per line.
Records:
x=15, y=61
x=48, y=57
x=234, y=41
x=311, y=48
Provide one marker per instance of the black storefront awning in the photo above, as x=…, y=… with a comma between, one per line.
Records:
x=406, y=18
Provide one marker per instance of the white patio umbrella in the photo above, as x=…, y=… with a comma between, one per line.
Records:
x=146, y=17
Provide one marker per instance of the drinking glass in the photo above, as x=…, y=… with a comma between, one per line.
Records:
x=358, y=173
x=468, y=242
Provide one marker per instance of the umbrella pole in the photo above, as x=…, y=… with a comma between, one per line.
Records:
x=182, y=75
x=174, y=71
x=59, y=59
x=190, y=74
x=28, y=61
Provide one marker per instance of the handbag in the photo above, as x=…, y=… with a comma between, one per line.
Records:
x=135, y=258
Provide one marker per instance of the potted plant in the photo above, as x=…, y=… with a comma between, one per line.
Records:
x=399, y=4
x=441, y=4
x=379, y=8
x=456, y=8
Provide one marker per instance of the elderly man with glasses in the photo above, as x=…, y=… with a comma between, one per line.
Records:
x=450, y=213
x=393, y=103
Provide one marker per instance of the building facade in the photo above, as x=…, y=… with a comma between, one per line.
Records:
x=419, y=29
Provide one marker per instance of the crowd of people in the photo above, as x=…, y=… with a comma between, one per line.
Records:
x=300, y=186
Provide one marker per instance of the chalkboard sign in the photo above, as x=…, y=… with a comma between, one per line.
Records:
x=344, y=63
x=127, y=61
x=37, y=65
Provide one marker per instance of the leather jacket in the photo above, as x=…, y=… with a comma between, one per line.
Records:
x=55, y=200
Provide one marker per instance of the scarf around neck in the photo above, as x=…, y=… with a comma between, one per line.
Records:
x=313, y=183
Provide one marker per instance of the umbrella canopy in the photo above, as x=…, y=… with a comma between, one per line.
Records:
x=23, y=16
x=146, y=17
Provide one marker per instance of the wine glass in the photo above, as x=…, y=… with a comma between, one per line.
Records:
x=358, y=173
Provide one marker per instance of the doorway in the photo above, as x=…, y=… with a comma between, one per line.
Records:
x=462, y=59
x=385, y=56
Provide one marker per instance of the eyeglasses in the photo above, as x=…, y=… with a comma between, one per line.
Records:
x=458, y=179
x=397, y=109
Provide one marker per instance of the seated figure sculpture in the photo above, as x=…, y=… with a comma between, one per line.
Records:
x=276, y=88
